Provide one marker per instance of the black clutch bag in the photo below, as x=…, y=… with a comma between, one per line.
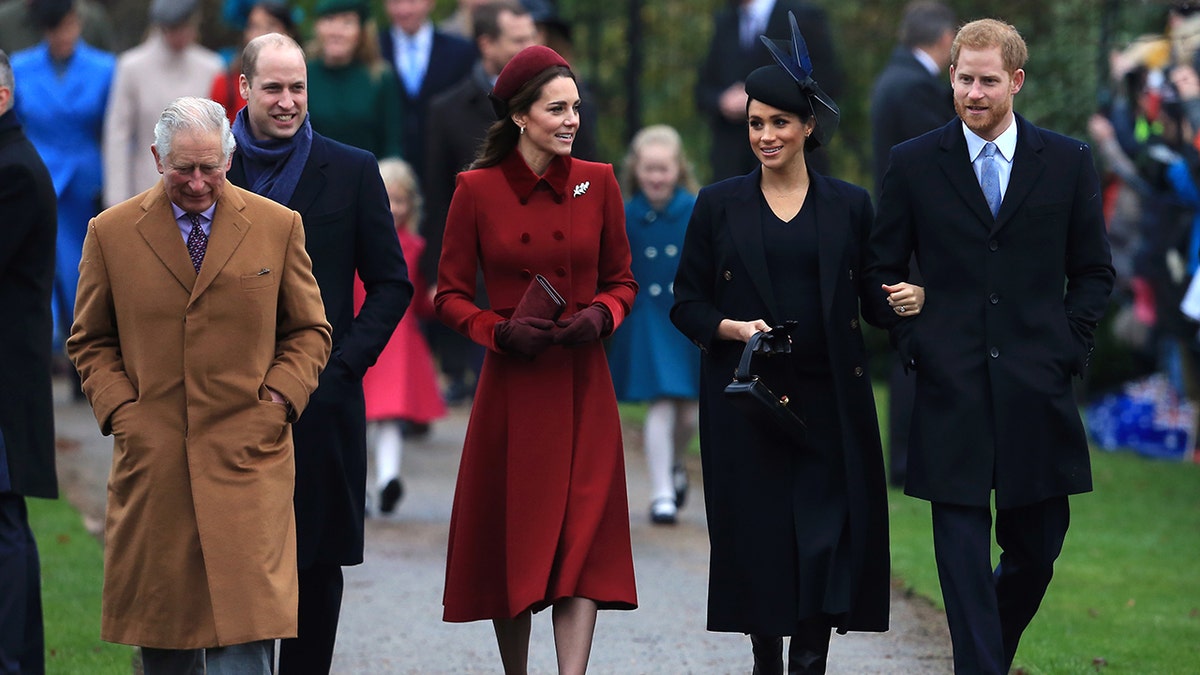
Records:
x=541, y=300
x=751, y=395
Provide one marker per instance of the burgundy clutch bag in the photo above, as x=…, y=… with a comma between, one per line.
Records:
x=541, y=300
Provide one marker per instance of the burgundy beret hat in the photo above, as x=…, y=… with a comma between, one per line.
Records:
x=520, y=69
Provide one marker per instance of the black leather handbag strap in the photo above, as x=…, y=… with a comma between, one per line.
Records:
x=742, y=374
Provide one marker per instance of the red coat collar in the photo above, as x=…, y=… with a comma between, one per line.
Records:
x=524, y=181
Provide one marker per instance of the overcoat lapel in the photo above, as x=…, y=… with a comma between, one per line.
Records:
x=312, y=178
x=744, y=218
x=1027, y=170
x=157, y=227
x=229, y=227
x=955, y=162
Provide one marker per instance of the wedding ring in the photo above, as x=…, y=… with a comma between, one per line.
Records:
x=900, y=309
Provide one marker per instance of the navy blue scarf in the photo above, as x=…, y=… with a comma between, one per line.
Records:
x=273, y=166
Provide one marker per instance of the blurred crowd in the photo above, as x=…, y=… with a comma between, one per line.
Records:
x=1146, y=134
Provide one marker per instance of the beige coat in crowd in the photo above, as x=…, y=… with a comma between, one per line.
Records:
x=148, y=77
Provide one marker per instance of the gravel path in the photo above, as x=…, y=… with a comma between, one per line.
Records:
x=391, y=615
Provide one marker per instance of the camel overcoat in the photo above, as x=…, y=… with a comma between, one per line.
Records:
x=200, y=537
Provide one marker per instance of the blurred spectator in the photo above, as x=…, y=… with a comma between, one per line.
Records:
x=650, y=360
x=911, y=96
x=461, y=21
x=19, y=30
x=426, y=62
x=352, y=94
x=734, y=51
x=62, y=92
x=265, y=16
x=458, y=122
x=169, y=64
x=401, y=388
x=555, y=33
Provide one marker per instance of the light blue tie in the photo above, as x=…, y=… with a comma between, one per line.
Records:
x=413, y=73
x=989, y=178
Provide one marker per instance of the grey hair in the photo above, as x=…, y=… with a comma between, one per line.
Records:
x=6, y=76
x=194, y=114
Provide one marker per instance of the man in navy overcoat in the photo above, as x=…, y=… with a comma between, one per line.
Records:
x=1013, y=297
x=348, y=229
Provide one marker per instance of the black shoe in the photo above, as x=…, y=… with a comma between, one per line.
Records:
x=662, y=511
x=390, y=496
x=410, y=429
x=680, y=478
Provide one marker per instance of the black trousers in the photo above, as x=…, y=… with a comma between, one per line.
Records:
x=987, y=609
x=311, y=651
x=22, y=642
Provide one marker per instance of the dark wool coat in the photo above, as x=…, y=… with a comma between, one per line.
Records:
x=540, y=510
x=1011, y=304
x=750, y=477
x=28, y=223
x=348, y=228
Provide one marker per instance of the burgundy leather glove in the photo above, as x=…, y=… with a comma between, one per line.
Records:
x=526, y=337
x=586, y=325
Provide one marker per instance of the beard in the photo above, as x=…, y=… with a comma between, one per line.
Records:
x=983, y=125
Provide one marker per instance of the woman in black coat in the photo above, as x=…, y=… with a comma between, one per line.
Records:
x=798, y=529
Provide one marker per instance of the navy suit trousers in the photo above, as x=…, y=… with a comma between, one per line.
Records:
x=989, y=609
x=21, y=633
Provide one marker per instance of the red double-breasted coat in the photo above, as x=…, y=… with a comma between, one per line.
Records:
x=540, y=510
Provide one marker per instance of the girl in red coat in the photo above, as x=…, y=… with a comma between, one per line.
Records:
x=541, y=517
x=402, y=385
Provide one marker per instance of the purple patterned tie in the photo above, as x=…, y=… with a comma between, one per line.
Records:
x=197, y=242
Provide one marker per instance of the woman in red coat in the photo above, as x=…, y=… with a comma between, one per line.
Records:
x=540, y=515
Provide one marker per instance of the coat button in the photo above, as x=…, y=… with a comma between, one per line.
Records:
x=650, y=217
x=993, y=298
x=994, y=353
x=852, y=275
x=858, y=371
x=526, y=274
x=524, y=237
x=561, y=271
x=655, y=290
x=727, y=275
x=559, y=236
x=993, y=245
x=853, y=324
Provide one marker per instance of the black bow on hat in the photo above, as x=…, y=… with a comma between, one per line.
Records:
x=799, y=67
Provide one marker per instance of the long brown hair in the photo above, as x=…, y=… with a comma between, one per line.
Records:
x=503, y=135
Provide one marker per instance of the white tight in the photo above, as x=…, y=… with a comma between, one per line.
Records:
x=389, y=449
x=670, y=424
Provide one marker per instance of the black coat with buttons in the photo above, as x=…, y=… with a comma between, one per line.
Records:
x=1011, y=306
x=751, y=480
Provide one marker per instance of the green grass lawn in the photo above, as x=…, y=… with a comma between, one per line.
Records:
x=1126, y=591
x=71, y=579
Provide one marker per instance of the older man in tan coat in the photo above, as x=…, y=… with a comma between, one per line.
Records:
x=199, y=335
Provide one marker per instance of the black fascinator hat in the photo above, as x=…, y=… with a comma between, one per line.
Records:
x=789, y=84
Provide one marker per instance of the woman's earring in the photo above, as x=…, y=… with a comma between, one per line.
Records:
x=522, y=131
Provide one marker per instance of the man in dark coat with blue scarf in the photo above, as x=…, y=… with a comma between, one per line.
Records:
x=348, y=229
x=28, y=225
